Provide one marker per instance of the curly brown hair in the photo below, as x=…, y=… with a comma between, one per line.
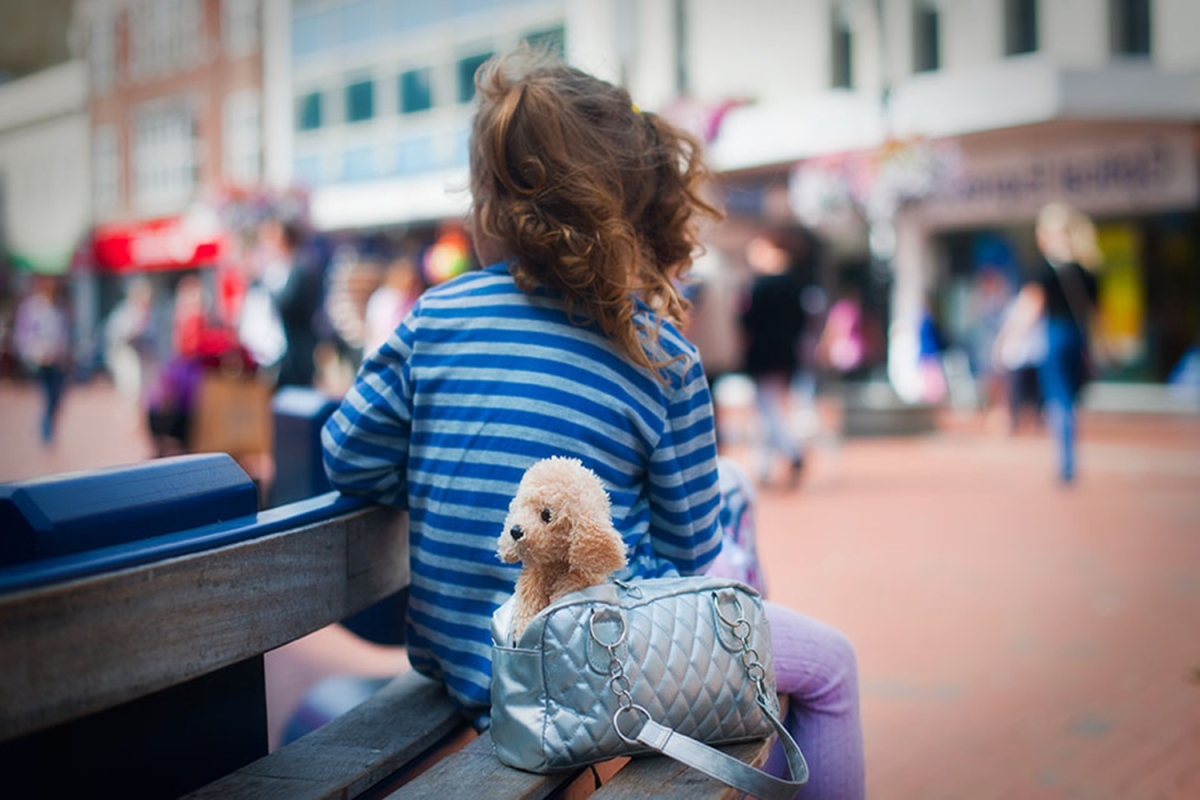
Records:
x=593, y=197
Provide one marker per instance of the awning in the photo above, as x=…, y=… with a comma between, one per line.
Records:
x=159, y=244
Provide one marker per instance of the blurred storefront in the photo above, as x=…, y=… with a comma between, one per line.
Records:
x=1139, y=182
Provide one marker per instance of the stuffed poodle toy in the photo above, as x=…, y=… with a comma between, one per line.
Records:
x=559, y=526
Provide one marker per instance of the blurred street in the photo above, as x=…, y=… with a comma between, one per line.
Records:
x=1015, y=639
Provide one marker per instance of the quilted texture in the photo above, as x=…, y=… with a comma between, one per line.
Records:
x=552, y=707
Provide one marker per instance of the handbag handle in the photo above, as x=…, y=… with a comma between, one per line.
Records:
x=726, y=768
x=696, y=754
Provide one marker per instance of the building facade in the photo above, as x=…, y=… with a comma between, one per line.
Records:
x=176, y=101
x=954, y=121
x=381, y=93
x=44, y=170
x=935, y=130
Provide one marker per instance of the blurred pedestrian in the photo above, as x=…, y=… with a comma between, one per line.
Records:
x=773, y=321
x=1019, y=354
x=298, y=299
x=130, y=341
x=930, y=353
x=843, y=343
x=278, y=324
x=388, y=305
x=989, y=301
x=200, y=344
x=1063, y=294
x=43, y=342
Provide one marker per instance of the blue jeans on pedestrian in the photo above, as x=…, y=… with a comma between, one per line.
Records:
x=1061, y=378
x=52, y=378
x=771, y=398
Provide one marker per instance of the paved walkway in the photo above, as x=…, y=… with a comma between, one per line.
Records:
x=1015, y=639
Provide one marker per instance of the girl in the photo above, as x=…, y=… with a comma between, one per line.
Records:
x=566, y=344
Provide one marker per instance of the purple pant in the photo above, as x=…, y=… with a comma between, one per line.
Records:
x=814, y=663
x=816, y=667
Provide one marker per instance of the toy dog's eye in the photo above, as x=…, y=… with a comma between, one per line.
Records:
x=547, y=516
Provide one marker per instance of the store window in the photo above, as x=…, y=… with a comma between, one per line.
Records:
x=164, y=155
x=842, y=50
x=102, y=54
x=165, y=36
x=1130, y=26
x=360, y=101
x=416, y=91
x=359, y=23
x=242, y=137
x=106, y=169
x=307, y=170
x=308, y=112
x=551, y=40
x=1020, y=26
x=679, y=22
x=239, y=26
x=926, y=37
x=358, y=164
x=467, y=67
x=410, y=15
x=415, y=156
x=308, y=31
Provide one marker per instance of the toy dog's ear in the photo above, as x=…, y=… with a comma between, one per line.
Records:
x=596, y=548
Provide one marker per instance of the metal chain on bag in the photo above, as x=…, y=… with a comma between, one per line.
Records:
x=620, y=684
x=741, y=629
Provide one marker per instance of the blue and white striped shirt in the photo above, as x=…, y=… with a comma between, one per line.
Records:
x=479, y=382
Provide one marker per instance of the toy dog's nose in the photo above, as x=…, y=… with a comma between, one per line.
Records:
x=516, y=532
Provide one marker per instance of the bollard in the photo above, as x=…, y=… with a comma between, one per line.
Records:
x=299, y=470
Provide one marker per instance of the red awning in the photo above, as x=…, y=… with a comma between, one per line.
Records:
x=167, y=243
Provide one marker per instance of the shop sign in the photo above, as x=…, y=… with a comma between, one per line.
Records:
x=160, y=244
x=1149, y=172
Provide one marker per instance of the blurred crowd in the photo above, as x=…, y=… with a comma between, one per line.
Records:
x=287, y=308
x=290, y=308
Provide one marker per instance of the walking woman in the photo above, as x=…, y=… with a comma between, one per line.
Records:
x=1063, y=293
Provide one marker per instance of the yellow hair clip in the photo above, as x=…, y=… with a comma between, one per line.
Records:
x=636, y=110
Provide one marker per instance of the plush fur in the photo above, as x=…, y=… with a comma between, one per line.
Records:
x=559, y=526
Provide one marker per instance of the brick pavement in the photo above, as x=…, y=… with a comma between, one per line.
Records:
x=1015, y=639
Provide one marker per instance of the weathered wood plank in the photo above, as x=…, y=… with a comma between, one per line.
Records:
x=350, y=754
x=79, y=647
x=474, y=772
x=659, y=776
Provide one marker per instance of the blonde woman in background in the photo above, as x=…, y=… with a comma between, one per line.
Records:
x=1063, y=293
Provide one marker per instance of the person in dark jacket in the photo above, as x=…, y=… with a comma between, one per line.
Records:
x=297, y=300
x=773, y=321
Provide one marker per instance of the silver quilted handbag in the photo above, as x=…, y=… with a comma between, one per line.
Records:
x=667, y=665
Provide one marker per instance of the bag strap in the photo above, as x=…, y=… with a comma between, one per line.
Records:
x=726, y=768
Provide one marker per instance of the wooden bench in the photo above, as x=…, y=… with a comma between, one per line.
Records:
x=135, y=667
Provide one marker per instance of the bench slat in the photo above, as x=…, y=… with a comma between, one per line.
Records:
x=474, y=772
x=79, y=647
x=396, y=726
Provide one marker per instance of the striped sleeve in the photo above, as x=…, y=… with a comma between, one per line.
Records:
x=684, y=489
x=366, y=439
